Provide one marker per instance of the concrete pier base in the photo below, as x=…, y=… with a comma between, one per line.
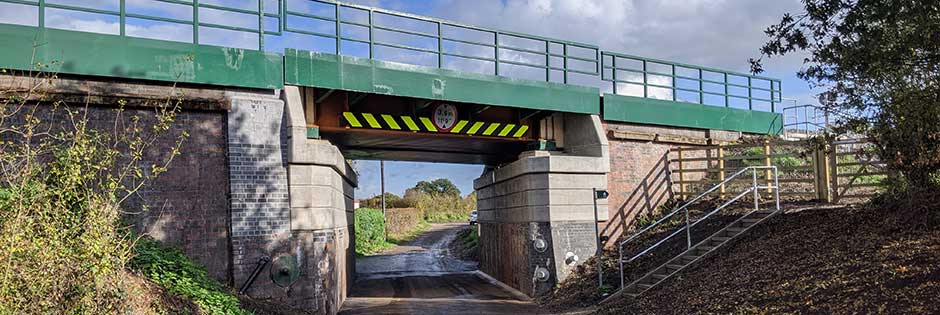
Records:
x=537, y=213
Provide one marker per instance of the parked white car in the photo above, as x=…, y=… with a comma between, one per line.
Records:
x=473, y=217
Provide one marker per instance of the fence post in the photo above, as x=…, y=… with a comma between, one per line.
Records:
x=721, y=170
x=833, y=171
x=822, y=171
x=767, y=162
x=681, y=174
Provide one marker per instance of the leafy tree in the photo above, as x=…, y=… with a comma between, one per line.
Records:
x=440, y=186
x=376, y=201
x=880, y=62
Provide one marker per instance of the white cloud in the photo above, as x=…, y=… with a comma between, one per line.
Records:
x=19, y=14
x=722, y=33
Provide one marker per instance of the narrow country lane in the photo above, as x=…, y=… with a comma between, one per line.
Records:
x=421, y=277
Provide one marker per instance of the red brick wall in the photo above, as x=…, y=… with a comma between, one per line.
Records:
x=638, y=181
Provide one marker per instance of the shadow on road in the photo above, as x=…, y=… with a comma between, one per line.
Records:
x=422, y=277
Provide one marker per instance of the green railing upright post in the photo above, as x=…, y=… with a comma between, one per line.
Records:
x=496, y=52
x=260, y=25
x=674, y=90
x=371, y=34
x=645, y=83
x=548, y=61
x=196, y=22
x=440, y=45
x=123, y=18
x=701, y=87
x=750, y=96
x=613, y=71
x=564, y=49
x=727, y=97
x=339, y=33
x=42, y=14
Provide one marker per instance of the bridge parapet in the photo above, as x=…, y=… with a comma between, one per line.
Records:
x=259, y=44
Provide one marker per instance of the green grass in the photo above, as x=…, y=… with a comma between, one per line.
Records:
x=471, y=239
x=170, y=268
x=410, y=235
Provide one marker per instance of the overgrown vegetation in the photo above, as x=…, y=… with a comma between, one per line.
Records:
x=439, y=201
x=440, y=208
x=370, y=231
x=466, y=245
x=470, y=237
x=409, y=235
x=63, y=181
x=170, y=268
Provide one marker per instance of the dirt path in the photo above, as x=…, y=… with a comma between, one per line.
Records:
x=421, y=277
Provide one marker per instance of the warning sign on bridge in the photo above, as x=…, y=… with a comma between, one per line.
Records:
x=444, y=116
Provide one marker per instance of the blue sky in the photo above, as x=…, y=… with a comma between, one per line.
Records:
x=715, y=33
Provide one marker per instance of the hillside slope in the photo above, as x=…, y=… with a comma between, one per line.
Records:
x=833, y=261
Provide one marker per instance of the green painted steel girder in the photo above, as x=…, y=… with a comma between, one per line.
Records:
x=330, y=71
x=671, y=113
x=137, y=58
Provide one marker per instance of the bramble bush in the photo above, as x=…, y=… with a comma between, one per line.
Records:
x=62, y=183
x=370, y=231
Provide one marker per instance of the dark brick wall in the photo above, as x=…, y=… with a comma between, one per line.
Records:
x=187, y=206
x=507, y=254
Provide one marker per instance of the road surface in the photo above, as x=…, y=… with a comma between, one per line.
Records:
x=421, y=277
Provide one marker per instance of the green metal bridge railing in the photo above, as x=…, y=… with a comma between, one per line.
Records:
x=558, y=60
x=195, y=23
x=550, y=51
x=687, y=83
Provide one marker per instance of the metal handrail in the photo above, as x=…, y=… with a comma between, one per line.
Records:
x=814, y=119
x=688, y=225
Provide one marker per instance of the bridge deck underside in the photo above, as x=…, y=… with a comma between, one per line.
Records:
x=407, y=146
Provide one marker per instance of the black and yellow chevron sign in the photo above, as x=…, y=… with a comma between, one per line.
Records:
x=424, y=124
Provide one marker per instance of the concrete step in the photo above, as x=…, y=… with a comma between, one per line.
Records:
x=643, y=286
x=735, y=229
x=721, y=239
x=750, y=221
x=706, y=248
x=674, y=267
x=659, y=277
x=688, y=258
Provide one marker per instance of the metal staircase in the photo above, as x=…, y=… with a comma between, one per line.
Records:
x=696, y=252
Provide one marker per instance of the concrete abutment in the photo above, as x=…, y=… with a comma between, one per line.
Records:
x=537, y=214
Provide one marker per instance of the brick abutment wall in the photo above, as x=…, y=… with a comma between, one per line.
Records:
x=639, y=181
x=188, y=205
